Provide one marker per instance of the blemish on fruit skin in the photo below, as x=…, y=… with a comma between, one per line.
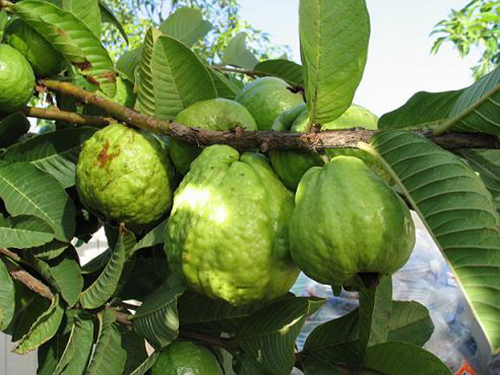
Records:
x=104, y=158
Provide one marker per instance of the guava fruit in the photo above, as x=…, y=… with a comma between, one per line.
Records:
x=227, y=235
x=186, y=358
x=347, y=221
x=266, y=98
x=213, y=114
x=290, y=165
x=45, y=59
x=17, y=80
x=125, y=175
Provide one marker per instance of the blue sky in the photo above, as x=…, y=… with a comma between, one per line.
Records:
x=399, y=61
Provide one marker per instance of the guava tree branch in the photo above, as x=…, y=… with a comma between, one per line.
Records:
x=24, y=277
x=74, y=118
x=263, y=140
x=5, y=4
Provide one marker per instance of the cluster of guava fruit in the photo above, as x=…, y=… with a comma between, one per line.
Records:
x=241, y=226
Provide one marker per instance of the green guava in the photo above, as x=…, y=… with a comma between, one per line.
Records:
x=186, y=358
x=125, y=176
x=266, y=98
x=43, y=57
x=291, y=165
x=17, y=80
x=227, y=235
x=213, y=114
x=347, y=221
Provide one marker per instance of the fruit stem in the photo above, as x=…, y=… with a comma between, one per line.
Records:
x=370, y=280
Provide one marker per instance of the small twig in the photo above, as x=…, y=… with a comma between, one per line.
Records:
x=232, y=69
x=258, y=139
x=122, y=317
x=74, y=118
x=25, y=277
x=10, y=254
x=7, y=5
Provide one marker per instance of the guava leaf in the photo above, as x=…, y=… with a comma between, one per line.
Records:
x=186, y=25
x=23, y=231
x=76, y=355
x=337, y=340
x=40, y=195
x=269, y=335
x=108, y=16
x=317, y=366
x=44, y=328
x=87, y=11
x=487, y=164
x=202, y=313
x=105, y=285
x=237, y=53
x=224, y=86
x=97, y=263
x=4, y=18
x=154, y=237
x=109, y=357
x=180, y=79
x=397, y=358
x=135, y=346
x=477, y=109
x=458, y=211
x=12, y=128
x=334, y=39
x=284, y=69
x=73, y=39
x=411, y=116
x=7, y=297
x=375, y=307
x=23, y=321
x=146, y=96
x=128, y=63
x=146, y=365
x=157, y=319
x=63, y=273
x=49, y=251
x=55, y=153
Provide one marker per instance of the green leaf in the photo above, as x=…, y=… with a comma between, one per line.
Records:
x=146, y=96
x=109, y=357
x=180, y=79
x=202, y=313
x=186, y=25
x=396, y=358
x=40, y=195
x=477, y=109
x=73, y=39
x=28, y=315
x=7, y=297
x=284, y=69
x=411, y=323
x=105, y=286
x=269, y=335
x=76, y=355
x=135, y=347
x=411, y=116
x=87, y=11
x=459, y=212
x=128, y=63
x=66, y=273
x=146, y=365
x=334, y=39
x=337, y=340
x=157, y=319
x=55, y=153
x=12, y=128
x=43, y=329
x=487, y=164
x=4, y=18
x=108, y=16
x=375, y=307
x=247, y=366
x=154, y=237
x=22, y=232
x=49, y=251
x=224, y=86
x=97, y=263
x=237, y=53
x=316, y=366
